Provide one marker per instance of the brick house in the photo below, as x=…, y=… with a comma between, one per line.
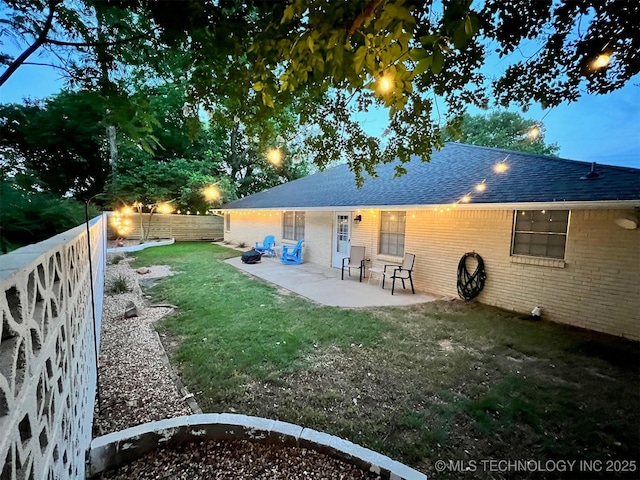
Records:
x=554, y=233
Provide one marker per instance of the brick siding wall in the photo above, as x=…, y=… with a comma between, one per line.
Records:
x=596, y=287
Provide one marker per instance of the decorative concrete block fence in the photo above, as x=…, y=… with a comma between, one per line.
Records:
x=47, y=353
x=51, y=310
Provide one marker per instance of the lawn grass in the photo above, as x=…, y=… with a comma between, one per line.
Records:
x=447, y=380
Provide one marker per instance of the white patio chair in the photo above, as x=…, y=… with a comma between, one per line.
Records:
x=402, y=272
x=354, y=260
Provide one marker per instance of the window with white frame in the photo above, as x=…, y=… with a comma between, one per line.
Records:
x=293, y=226
x=540, y=233
x=392, y=225
x=227, y=222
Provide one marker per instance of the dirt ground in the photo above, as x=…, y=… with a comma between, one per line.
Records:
x=445, y=398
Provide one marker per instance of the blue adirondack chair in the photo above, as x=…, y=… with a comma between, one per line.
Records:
x=266, y=248
x=292, y=256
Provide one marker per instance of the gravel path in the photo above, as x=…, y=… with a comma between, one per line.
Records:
x=136, y=387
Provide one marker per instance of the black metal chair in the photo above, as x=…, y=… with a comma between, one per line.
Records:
x=402, y=272
x=354, y=260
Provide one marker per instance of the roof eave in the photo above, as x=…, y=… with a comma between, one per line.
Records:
x=560, y=205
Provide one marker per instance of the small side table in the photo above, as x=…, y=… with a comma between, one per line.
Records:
x=277, y=251
x=377, y=270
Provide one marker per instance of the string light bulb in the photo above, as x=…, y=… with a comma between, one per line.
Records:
x=211, y=193
x=500, y=167
x=274, y=156
x=466, y=199
x=165, y=208
x=601, y=61
x=385, y=84
x=533, y=133
x=481, y=187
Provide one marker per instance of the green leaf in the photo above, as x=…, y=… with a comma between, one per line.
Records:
x=437, y=62
x=408, y=87
x=146, y=146
x=422, y=66
x=382, y=21
x=370, y=62
x=358, y=58
x=395, y=52
x=333, y=38
x=288, y=14
x=475, y=23
x=267, y=100
x=417, y=54
x=460, y=37
x=400, y=13
x=405, y=39
x=468, y=27
x=429, y=40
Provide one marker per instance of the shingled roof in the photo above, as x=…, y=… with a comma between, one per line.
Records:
x=452, y=173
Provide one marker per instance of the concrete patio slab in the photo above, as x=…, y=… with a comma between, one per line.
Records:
x=323, y=285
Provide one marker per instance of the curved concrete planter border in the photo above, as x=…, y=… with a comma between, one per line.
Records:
x=120, y=448
x=142, y=246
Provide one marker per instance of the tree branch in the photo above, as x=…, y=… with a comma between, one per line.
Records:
x=97, y=44
x=368, y=10
x=42, y=40
x=34, y=46
x=46, y=65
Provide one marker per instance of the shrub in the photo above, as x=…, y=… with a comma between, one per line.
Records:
x=242, y=244
x=118, y=284
x=115, y=260
x=30, y=217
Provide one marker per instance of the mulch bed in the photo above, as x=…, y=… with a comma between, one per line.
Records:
x=241, y=460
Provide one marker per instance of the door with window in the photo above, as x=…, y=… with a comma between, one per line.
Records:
x=341, y=237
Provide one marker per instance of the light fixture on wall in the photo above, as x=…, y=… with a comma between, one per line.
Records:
x=628, y=222
x=357, y=219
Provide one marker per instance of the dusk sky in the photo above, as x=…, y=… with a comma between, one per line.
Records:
x=596, y=128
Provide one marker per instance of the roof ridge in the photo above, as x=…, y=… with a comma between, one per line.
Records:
x=539, y=155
